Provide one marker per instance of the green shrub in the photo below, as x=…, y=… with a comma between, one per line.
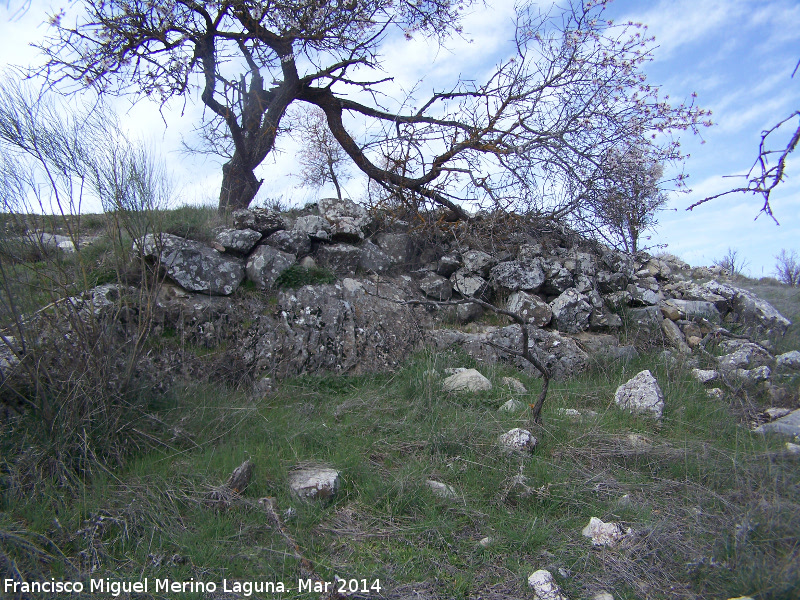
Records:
x=297, y=276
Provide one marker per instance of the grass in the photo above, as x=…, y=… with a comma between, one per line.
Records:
x=715, y=510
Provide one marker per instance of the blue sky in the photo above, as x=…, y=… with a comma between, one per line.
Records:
x=737, y=55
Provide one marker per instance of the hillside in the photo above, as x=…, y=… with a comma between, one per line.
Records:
x=315, y=342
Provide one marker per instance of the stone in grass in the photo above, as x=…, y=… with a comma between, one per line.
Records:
x=641, y=395
x=715, y=394
x=314, y=483
x=604, y=534
x=517, y=440
x=602, y=596
x=448, y=492
x=468, y=380
x=514, y=384
x=788, y=425
x=512, y=406
x=704, y=375
x=793, y=449
x=544, y=586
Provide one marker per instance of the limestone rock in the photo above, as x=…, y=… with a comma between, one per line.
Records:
x=604, y=534
x=314, y=483
x=469, y=380
x=514, y=384
x=262, y=220
x=642, y=395
x=478, y=262
x=511, y=406
x=788, y=361
x=238, y=240
x=531, y=308
x=314, y=226
x=512, y=276
x=544, y=586
x=347, y=219
x=436, y=287
x=748, y=356
x=751, y=377
x=442, y=490
x=517, y=440
x=342, y=259
x=705, y=375
x=397, y=246
x=195, y=266
x=448, y=265
x=290, y=241
x=611, y=282
x=373, y=259
x=265, y=265
x=557, y=278
x=675, y=337
x=469, y=286
x=571, y=312
x=694, y=310
x=715, y=394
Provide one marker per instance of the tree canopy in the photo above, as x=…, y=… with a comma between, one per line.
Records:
x=532, y=135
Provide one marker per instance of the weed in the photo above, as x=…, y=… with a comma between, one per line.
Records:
x=297, y=276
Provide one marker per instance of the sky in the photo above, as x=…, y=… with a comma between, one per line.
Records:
x=736, y=55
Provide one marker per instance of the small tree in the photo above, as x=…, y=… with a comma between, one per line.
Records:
x=733, y=262
x=625, y=197
x=787, y=269
x=321, y=157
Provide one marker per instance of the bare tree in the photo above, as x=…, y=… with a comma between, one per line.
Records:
x=321, y=157
x=769, y=168
x=787, y=267
x=545, y=117
x=733, y=262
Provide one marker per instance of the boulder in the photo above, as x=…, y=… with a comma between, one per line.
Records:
x=788, y=361
x=514, y=384
x=314, y=226
x=342, y=259
x=478, y=262
x=373, y=259
x=238, y=240
x=571, y=312
x=646, y=319
x=265, y=265
x=747, y=356
x=448, y=265
x=531, y=308
x=347, y=219
x=641, y=395
x=436, y=287
x=195, y=266
x=469, y=286
x=517, y=440
x=608, y=282
x=262, y=220
x=788, y=425
x=314, y=483
x=442, y=490
x=603, y=319
x=751, y=377
x=397, y=246
x=557, y=278
x=694, y=310
x=513, y=276
x=468, y=380
x=290, y=241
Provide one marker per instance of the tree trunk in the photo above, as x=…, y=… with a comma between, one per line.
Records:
x=239, y=186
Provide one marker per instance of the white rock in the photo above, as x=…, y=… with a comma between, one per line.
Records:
x=569, y=412
x=788, y=361
x=442, y=489
x=512, y=406
x=704, y=375
x=485, y=542
x=793, y=448
x=603, y=596
x=544, y=587
x=514, y=384
x=604, y=534
x=715, y=393
x=468, y=380
x=517, y=440
x=641, y=395
x=776, y=413
x=312, y=483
